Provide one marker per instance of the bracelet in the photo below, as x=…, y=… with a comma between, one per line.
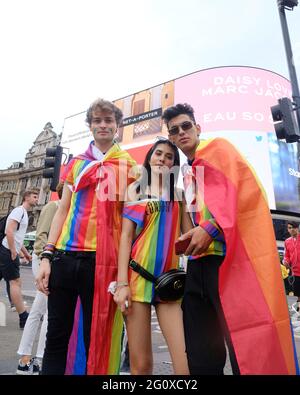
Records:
x=47, y=254
x=49, y=247
x=122, y=284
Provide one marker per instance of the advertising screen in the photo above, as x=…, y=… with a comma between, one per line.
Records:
x=230, y=102
x=234, y=103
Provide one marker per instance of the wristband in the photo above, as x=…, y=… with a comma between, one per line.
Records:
x=47, y=254
x=49, y=247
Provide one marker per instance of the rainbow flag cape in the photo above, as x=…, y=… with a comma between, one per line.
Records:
x=76, y=359
x=250, y=284
x=110, y=178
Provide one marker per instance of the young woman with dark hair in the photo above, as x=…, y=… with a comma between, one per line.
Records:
x=153, y=218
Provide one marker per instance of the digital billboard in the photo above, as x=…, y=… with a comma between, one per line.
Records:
x=231, y=102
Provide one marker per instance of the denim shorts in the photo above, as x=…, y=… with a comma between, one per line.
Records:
x=10, y=269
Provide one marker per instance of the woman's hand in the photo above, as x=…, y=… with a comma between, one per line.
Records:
x=122, y=297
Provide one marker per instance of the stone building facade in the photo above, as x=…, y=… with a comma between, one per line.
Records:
x=21, y=176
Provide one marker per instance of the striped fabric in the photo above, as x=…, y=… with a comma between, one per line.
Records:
x=78, y=231
x=94, y=224
x=201, y=215
x=158, y=227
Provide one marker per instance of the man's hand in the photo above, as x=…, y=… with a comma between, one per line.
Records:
x=42, y=279
x=200, y=241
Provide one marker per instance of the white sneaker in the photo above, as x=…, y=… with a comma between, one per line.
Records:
x=294, y=307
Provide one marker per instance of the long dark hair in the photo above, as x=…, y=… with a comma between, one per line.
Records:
x=145, y=179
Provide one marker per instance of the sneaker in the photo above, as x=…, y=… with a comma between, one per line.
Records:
x=125, y=368
x=30, y=368
x=13, y=307
x=36, y=369
x=22, y=322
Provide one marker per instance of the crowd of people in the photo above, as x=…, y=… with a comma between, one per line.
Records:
x=112, y=212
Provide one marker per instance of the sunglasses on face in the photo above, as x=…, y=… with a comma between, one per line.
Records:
x=184, y=126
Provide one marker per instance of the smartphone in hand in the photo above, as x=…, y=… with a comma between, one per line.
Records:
x=181, y=246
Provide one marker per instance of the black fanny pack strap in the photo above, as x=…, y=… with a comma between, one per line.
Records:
x=143, y=272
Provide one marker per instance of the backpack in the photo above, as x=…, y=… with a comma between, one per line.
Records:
x=3, y=225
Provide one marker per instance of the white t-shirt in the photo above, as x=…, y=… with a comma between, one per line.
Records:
x=20, y=215
x=97, y=153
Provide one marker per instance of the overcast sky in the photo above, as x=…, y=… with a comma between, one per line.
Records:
x=58, y=56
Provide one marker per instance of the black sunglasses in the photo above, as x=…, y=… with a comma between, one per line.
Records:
x=184, y=126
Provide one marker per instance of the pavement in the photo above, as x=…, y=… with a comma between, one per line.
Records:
x=10, y=334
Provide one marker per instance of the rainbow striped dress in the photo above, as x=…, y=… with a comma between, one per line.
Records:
x=158, y=227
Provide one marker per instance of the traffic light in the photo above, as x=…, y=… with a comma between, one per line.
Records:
x=285, y=121
x=52, y=165
x=288, y=3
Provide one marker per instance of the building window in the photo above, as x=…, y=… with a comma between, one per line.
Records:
x=138, y=107
x=119, y=134
x=30, y=220
x=6, y=203
x=146, y=128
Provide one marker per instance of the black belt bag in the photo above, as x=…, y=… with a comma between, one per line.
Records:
x=168, y=286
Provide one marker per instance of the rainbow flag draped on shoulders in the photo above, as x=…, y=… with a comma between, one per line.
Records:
x=109, y=179
x=250, y=283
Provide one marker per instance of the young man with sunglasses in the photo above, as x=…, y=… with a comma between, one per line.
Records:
x=234, y=290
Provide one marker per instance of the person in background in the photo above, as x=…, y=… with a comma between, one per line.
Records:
x=27, y=364
x=12, y=245
x=291, y=257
